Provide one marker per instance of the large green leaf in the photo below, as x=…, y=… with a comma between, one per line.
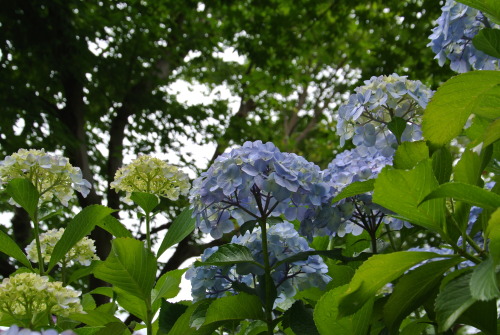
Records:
x=413, y=289
x=483, y=283
x=182, y=226
x=146, y=201
x=455, y=304
x=475, y=92
x=488, y=41
x=300, y=319
x=80, y=226
x=230, y=254
x=467, y=193
x=237, y=307
x=489, y=7
x=401, y=191
x=98, y=317
x=492, y=133
x=169, y=314
x=493, y=233
x=326, y=315
x=25, y=194
x=468, y=168
x=452, y=301
x=114, y=227
x=409, y=154
x=168, y=286
x=182, y=325
x=10, y=248
x=358, y=187
x=376, y=272
x=132, y=303
x=332, y=254
x=442, y=164
x=130, y=267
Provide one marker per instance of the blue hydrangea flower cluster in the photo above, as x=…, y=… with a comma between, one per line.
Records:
x=252, y=182
x=367, y=113
x=289, y=278
x=354, y=214
x=452, y=38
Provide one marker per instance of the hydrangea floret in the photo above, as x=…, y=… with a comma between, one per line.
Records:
x=289, y=278
x=51, y=174
x=253, y=182
x=366, y=115
x=151, y=175
x=24, y=295
x=83, y=252
x=452, y=38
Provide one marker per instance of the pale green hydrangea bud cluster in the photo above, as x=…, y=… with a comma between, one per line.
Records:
x=151, y=175
x=83, y=252
x=26, y=294
x=52, y=175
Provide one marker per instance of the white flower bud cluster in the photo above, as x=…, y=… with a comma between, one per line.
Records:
x=52, y=175
x=83, y=252
x=151, y=175
x=26, y=294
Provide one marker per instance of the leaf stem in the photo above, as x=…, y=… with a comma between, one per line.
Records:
x=36, y=225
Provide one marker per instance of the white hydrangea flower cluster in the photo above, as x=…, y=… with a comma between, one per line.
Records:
x=15, y=330
x=84, y=252
x=52, y=175
x=151, y=175
x=26, y=294
x=368, y=112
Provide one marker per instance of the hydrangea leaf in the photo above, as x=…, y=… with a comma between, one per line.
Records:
x=455, y=304
x=169, y=313
x=114, y=227
x=168, y=285
x=10, y=248
x=300, y=319
x=81, y=225
x=442, y=164
x=182, y=325
x=376, y=272
x=469, y=93
x=493, y=233
x=333, y=254
x=413, y=289
x=483, y=283
x=131, y=303
x=181, y=227
x=130, y=267
x=230, y=254
x=146, y=201
x=488, y=41
x=409, y=154
x=397, y=127
x=492, y=133
x=326, y=315
x=82, y=272
x=236, y=307
x=467, y=193
x=24, y=193
x=358, y=187
x=401, y=191
x=489, y=7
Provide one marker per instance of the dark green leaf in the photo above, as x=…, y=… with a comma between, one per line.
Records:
x=475, y=92
x=10, y=248
x=182, y=325
x=483, y=283
x=130, y=267
x=236, y=307
x=481, y=315
x=82, y=272
x=98, y=317
x=333, y=254
x=442, y=163
x=452, y=301
x=248, y=226
x=114, y=227
x=25, y=194
x=358, y=187
x=402, y=191
x=489, y=7
x=80, y=226
x=464, y=192
x=182, y=226
x=113, y=328
x=169, y=313
x=413, y=289
x=301, y=319
x=146, y=201
x=397, y=127
x=376, y=272
x=488, y=41
x=168, y=286
x=230, y=254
